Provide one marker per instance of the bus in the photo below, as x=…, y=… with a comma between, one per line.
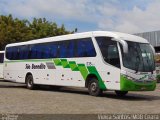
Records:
x=97, y=60
x=1, y=64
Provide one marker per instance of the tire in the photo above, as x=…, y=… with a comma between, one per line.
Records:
x=93, y=87
x=121, y=93
x=30, y=83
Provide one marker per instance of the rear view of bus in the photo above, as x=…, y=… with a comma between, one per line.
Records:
x=1, y=63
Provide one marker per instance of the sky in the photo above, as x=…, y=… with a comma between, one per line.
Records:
x=129, y=16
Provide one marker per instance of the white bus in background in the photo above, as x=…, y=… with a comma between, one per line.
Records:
x=1, y=63
x=98, y=60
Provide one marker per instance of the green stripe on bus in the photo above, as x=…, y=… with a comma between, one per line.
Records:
x=73, y=66
x=93, y=70
x=65, y=63
x=83, y=70
x=57, y=62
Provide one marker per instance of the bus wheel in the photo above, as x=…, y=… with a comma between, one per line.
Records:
x=29, y=82
x=93, y=87
x=121, y=93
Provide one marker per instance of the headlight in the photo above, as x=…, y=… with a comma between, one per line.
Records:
x=132, y=79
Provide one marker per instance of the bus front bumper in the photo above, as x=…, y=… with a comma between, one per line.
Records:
x=130, y=85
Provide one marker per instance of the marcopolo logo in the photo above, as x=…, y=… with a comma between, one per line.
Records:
x=35, y=66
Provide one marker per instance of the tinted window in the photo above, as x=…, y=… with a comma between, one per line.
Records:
x=21, y=52
x=45, y=51
x=139, y=57
x=1, y=57
x=54, y=50
x=25, y=52
x=109, y=50
x=67, y=49
x=9, y=53
x=33, y=51
x=15, y=53
x=71, y=49
x=85, y=48
x=62, y=49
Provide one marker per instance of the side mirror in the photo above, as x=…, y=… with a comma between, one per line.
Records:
x=124, y=44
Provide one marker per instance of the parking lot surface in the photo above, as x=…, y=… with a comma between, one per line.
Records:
x=16, y=99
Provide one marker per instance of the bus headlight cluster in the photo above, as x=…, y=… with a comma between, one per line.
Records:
x=150, y=79
x=129, y=77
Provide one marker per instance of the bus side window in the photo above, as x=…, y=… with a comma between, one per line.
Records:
x=14, y=53
x=109, y=50
x=26, y=52
x=18, y=53
x=85, y=48
x=53, y=50
x=67, y=49
x=63, y=49
x=90, y=48
x=33, y=52
x=71, y=49
x=81, y=48
x=21, y=52
x=39, y=51
x=45, y=50
x=9, y=53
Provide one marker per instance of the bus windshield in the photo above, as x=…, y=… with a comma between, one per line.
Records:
x=140, y=57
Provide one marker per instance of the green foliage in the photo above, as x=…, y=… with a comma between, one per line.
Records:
x=16, y=30
x=158, y=78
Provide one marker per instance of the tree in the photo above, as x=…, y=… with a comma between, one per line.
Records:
x=16, y=30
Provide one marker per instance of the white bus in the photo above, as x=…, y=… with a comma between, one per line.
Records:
x=1, y=63
x=98, y=60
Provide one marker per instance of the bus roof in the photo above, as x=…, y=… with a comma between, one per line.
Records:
x=116, y=35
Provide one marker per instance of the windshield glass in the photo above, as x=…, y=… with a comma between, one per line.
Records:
x=109, y=50
x=140, y=57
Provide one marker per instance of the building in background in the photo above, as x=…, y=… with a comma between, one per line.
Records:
x=153, y=37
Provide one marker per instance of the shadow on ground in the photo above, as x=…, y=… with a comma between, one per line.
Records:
x=131, y=96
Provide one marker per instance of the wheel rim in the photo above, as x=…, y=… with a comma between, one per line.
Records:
x=94, y=87
x=30, y=82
